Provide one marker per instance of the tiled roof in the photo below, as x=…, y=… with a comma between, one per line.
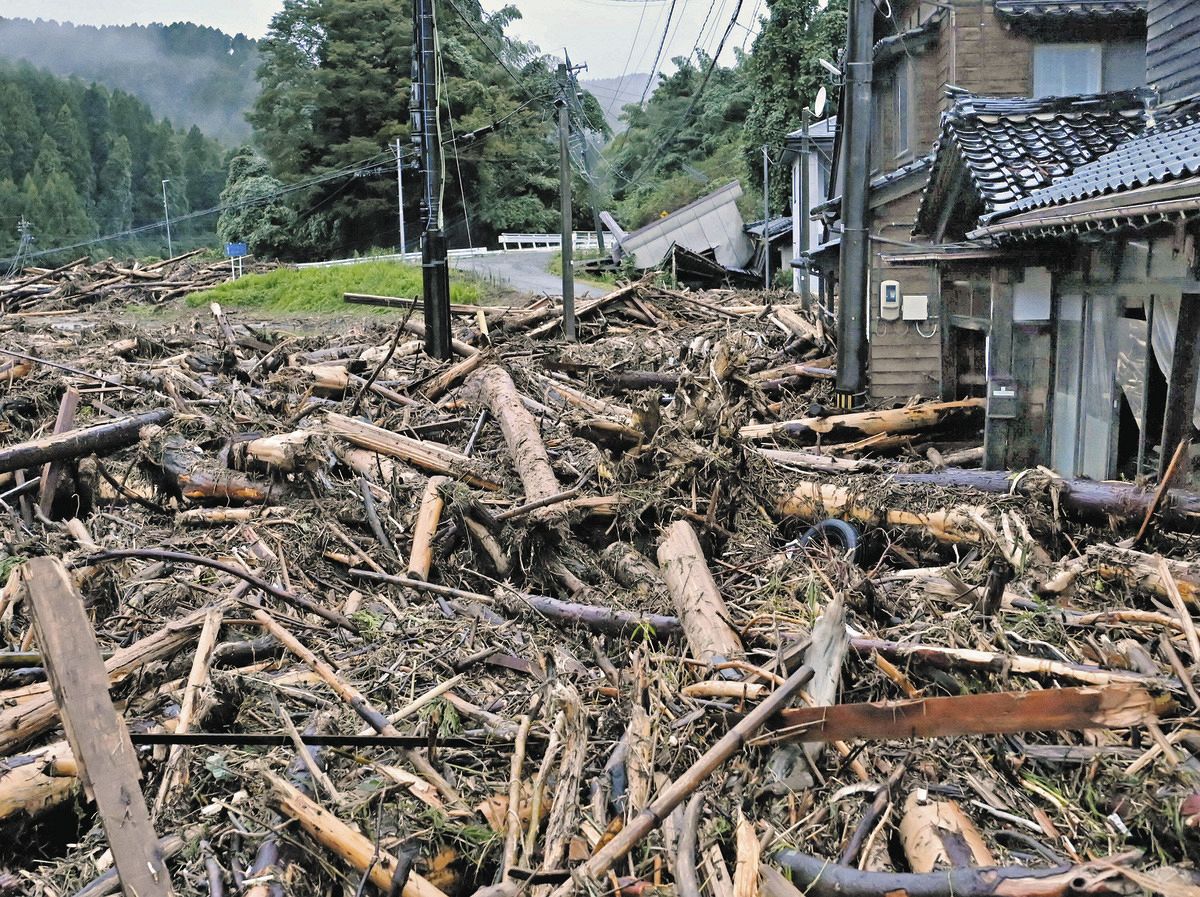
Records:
x=1169, y=151
x=1060, y=11
x=1008, y=148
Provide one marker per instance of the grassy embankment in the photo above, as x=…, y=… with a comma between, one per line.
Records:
x=320, y=289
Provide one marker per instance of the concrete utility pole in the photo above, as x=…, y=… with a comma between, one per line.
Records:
x=766, y=219
x=400, y=196
x=588, y=151
x=167, y=217
x=805, y=148
x=856, y=250
x=434, y=270
x=564, y=178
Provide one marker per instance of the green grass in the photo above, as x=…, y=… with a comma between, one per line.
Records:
x=321, y=289
x=555, y=267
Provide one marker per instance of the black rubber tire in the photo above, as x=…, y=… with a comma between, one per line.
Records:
x=834, y=532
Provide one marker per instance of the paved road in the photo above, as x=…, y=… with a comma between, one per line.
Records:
x=524, y=271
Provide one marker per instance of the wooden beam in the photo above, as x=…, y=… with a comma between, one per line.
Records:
x=99, y=740
x=1181, y=391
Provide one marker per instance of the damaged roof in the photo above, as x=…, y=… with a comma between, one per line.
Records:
x=1004, y=149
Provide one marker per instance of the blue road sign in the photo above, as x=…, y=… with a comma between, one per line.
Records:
x=236, y=250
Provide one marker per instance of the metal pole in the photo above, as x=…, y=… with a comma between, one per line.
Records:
x=400, y=197
x=766, y=219
x=855, y=255
x=564, y=177
x=167, y=217
x=805, y=148
x=435, y=274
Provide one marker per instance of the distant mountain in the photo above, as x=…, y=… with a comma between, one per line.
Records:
x=614, y=93
x=190, y=74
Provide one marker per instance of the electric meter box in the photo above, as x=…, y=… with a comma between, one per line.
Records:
x=1002, y=398
x=889, y=300
x=914, y=307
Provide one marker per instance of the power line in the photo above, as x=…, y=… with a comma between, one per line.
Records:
x=658, y=55
x=628, y=58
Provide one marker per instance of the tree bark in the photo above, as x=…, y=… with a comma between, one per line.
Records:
x=821, y=878
x=698, y=602
x=870, y=423
x=100, y=439
x=493, y=388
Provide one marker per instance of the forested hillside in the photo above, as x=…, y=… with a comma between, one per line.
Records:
x=80, y=161
x=335, y=80
x=191, y=74
x=705, y=125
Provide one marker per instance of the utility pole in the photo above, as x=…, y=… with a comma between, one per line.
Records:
x=588, y=152
x=435, y=274
x=167, y=217
x=400, y=197
x=851, y=383
x=564, y=178
x=805, y=149
x=766, y=219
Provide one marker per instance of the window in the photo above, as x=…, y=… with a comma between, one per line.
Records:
x=1066, y=69
x=892, y=114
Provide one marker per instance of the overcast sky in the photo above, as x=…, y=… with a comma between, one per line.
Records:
x=601, y=33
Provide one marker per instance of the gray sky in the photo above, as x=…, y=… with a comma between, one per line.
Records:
x=601, y=33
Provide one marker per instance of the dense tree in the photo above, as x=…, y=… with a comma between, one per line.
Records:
x=784, y=75
x=683, y=143
x=253, y=212
x=335, y=80
x=193, y=73
x=81, y=162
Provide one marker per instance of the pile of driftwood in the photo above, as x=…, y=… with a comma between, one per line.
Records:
x=84, y=282
x=305, y=612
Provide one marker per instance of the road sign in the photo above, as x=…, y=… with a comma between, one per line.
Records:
x=236, y=250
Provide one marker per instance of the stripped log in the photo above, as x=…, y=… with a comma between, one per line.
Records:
x=821, y=878
x=100, y=439
x=634, y=571
x=1133, y=569
x=1116, y=706
x=186, y=472
x=698, y=602
x=430, y=513
x=417, y=452
x=973, y=524
x=493, y=388
x=33, y=783
x=937, y=833
x=359, y=851
x=871, y=423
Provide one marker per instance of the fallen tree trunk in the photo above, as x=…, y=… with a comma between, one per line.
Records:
x=821, y=878
x=355, y=848
x=1116, y=706
x=493, y=388
x=425, y=455
x=1134, y=569
x=31, y=784
x=698, y=601
x=973, y=524
x=870, y=423
x=1126, y=502
x=100, y=439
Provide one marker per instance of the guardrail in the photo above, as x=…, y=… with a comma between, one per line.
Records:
x=413, y=257
x=580, y=239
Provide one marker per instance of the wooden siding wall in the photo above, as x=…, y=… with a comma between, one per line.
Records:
x=1173, y=48
x=902, y=362
x=979, y=53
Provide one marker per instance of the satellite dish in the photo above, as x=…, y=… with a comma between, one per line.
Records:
x=819, y=102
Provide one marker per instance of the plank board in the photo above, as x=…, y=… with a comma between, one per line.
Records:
x=1058, y=709
x=98, y=737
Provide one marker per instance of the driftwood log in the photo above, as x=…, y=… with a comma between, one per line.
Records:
x=100, y=439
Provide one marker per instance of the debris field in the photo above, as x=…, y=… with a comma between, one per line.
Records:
x=638, y=614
